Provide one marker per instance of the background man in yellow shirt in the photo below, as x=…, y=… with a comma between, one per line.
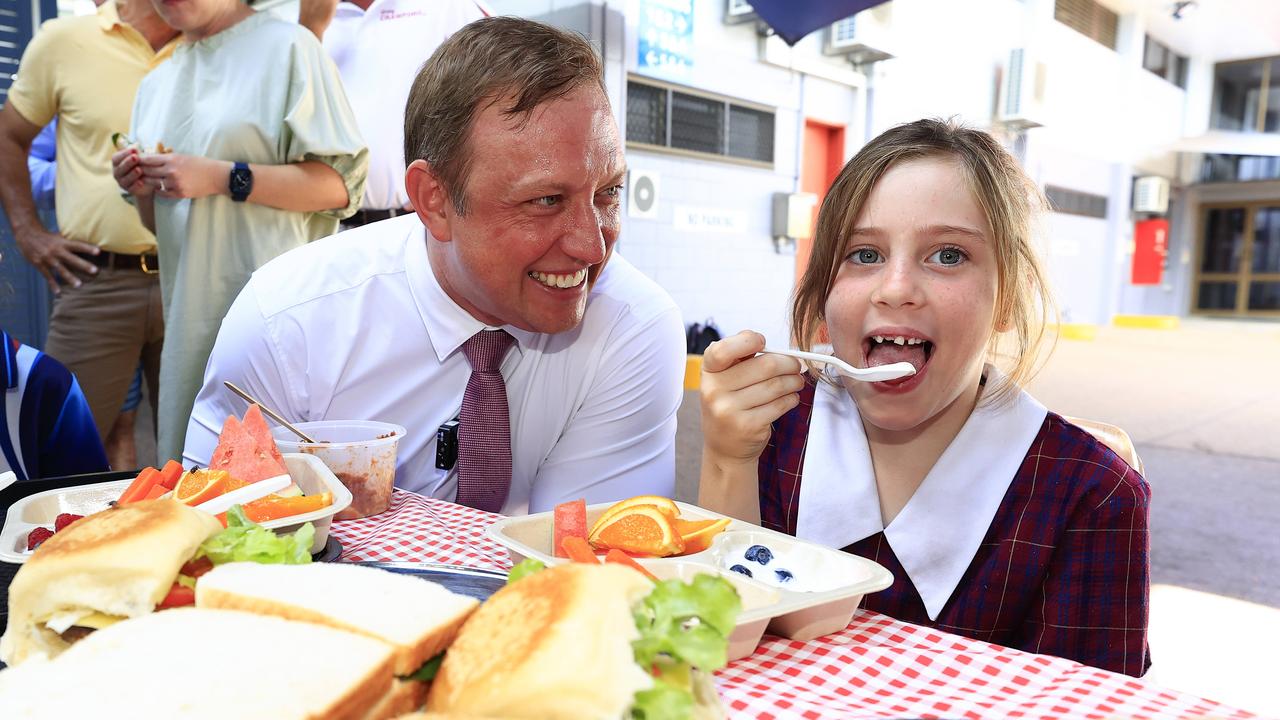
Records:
x=85, y=71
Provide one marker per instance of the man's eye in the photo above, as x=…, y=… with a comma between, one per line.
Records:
x=547, y=200
x=865, y=256
x=948, y=256
x=613, y=192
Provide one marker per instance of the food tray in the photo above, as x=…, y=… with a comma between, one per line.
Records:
x=42, y=509
x=793, y=614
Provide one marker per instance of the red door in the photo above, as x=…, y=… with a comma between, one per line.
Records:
x=821, y=162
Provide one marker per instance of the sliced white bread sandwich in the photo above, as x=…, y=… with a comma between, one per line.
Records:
x=416, y=617
x=195, y=664
x=115, y=564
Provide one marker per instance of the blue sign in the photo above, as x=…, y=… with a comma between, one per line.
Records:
x=666, y=36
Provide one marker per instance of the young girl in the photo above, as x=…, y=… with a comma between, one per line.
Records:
x=999, y=520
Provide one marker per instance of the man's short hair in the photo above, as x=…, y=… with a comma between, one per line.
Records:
x=496, y=59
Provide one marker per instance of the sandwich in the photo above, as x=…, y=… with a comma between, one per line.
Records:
x=193, y=663
x=590, y=641
x=417, y=619
x=125, y=562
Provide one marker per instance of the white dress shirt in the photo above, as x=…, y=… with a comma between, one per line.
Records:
x=356, y=327
x=938, y=531
x=378, y=53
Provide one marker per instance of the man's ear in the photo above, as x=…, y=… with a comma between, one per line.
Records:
x=430, y=200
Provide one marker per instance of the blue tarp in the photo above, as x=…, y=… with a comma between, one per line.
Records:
x=793, y=19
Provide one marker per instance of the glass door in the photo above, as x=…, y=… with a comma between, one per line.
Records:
x=1238, y=269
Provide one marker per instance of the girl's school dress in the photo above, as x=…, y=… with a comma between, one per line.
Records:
x=1027, y=532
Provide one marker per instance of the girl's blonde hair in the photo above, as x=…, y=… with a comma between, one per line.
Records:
x=1009, y=200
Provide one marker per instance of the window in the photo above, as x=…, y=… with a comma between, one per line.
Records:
x=1239, y=168
x=694, y=123
x=1246, y=95
x=1089, y=18
x=1164, y=62
x=1074, y=202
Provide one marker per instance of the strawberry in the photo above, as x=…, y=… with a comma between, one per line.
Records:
x=64, y=520
x=37, y=536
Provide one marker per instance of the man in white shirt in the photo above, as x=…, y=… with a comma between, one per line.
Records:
x=516, y=183
x=378, y=46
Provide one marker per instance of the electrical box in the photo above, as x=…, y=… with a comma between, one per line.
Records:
x=793, y=214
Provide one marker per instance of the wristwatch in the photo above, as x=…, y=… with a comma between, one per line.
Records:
x=241, y=182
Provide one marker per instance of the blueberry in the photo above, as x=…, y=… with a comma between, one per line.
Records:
x=759, y=554
x=783, y=575
x=741, y=569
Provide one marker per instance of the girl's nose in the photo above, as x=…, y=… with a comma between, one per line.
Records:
x=898, y=284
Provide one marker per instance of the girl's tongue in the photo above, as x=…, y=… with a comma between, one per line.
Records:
x=886, y=353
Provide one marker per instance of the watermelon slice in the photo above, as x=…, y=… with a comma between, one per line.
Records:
x=243, y=456
x=256, y=426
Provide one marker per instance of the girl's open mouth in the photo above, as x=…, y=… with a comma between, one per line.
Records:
x=886, y=349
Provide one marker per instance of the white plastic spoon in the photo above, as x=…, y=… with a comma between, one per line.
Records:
x=246, y=494
x=879, y=373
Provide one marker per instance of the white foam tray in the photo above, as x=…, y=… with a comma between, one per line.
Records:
x=788, y=613
x=41, y=509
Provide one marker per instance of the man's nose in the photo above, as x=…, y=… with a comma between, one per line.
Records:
x=583, y=236
x=898, y=284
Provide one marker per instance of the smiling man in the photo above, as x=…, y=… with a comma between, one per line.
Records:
x=529, y=362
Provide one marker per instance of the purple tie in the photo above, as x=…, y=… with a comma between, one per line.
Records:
x=484, y=435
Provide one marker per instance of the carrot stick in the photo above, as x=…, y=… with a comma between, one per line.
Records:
x=156, y=491
x=139, y=487
x=578, y=550
x=170, y=474
x=617, y=556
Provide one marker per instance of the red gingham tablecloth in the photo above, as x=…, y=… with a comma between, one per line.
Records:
x=877, y=667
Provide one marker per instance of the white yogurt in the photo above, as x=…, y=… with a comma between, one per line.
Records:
x=783, y=565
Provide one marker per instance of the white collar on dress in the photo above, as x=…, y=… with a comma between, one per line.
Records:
x=937, y=533
x=448, y=325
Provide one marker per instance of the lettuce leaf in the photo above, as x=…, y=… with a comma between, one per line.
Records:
x=662, y=702
x=524, y=569
x=428, y=671
x=682, y=626
x=687, y=622
x=246, y=541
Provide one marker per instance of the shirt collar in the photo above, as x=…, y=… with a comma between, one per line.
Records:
x=108, y=16
x=10, y=361
x=448, y=325
x=937, y=533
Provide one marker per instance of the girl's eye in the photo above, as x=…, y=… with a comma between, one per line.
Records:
x=865, y=256
x=948, y=256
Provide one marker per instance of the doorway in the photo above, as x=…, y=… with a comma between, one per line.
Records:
x=823, y=156
x=1238, y=260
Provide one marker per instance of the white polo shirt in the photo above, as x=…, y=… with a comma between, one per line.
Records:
x=378, y=53
x=356, y=327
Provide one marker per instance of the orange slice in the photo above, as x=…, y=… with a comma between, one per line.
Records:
x=666, y=506
x=201, y=485
x=699, y=533
x=639, y=530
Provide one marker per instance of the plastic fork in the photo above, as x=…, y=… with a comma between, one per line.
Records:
x=879, y=373
x=246, y=494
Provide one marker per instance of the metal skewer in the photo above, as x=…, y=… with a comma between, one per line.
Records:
x=270, y=413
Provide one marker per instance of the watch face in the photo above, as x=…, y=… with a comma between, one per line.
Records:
x=241, y=181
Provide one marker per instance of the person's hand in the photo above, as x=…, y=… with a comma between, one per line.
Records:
x=742, y=394
x=176, y=176
x=55, y=257
x=126, y=167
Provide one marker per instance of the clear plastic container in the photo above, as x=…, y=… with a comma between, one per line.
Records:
x=361, y=453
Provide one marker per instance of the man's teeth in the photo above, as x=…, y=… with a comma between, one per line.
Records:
x=897, y=340
x=560, y=281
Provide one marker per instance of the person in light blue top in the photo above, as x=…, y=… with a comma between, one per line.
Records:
x=42, y=163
